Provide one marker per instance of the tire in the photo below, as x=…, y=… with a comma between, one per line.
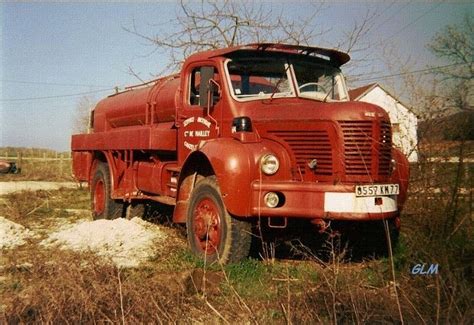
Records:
x=103, y=206
x=134, y=210
x=213, y=234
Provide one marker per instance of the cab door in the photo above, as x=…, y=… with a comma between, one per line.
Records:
x=197, y=121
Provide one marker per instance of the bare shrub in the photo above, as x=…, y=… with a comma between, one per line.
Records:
x=21, y=205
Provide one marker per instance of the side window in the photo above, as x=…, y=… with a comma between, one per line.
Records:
x=194, y=86
x=194, y=83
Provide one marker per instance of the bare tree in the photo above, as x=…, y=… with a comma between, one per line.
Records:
x=215, y=24
x=81, y=122
x=455, y=43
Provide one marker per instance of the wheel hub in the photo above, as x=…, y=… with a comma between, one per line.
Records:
x=207, y=225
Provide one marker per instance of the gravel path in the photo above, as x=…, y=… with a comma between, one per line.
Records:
x=11, y=187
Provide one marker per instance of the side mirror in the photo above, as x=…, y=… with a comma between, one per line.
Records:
x=207, y=73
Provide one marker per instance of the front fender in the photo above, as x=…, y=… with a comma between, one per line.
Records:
x=236, y=165
x=401, y=175
x=232, y=162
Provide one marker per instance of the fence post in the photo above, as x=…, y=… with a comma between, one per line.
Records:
x=19, y=160
x=60, y=164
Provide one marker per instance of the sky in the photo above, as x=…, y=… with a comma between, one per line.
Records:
x=54, y=53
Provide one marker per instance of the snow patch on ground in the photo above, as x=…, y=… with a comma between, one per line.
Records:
x=12, y=234
x=126, y=243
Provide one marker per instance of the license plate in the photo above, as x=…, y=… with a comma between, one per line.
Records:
x=377, y=190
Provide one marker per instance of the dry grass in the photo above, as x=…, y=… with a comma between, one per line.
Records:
x=65, y=287
x=30, y=207
x=74, y=288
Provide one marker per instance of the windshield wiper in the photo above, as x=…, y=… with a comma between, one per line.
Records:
x=279, y=82
x=330, y=90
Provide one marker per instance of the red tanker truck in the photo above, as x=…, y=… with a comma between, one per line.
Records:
x=247, y=133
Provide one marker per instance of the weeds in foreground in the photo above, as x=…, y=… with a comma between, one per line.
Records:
x=46, y=286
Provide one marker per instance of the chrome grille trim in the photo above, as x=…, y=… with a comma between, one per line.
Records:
x=385, y=148
x=360, y=142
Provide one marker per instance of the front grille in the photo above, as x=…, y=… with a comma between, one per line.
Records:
x=357, y=146
x=308, y=145
x=360, y=140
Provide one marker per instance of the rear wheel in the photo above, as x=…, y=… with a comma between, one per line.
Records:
x=103, y=206
x=213, y=234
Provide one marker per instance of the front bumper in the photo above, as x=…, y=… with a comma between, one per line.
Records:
x=315, y=200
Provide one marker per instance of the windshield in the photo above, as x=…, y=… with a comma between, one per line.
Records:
x=259, y=78
x=254, y=78
x=320, y=82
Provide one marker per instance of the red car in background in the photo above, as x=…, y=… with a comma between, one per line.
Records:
x=9, y=167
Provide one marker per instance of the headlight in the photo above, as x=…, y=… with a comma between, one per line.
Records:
x=269, y=164
x=271, y=199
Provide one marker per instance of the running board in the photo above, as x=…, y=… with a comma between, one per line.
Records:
x=169, y=200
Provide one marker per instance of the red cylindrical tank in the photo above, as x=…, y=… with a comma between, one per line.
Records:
x=149, y=104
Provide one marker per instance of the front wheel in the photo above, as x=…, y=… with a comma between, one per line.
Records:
x=213, y=234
